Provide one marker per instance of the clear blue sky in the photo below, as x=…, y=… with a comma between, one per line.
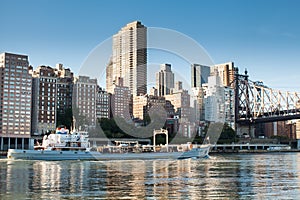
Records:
x=260, y=35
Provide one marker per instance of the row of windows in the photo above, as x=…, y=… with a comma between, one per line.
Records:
x=48, y=117
x=86, y=86
x=13, y=87
x=48, y=98
x=17, y=100
x=51, y=80
x=48, y=103
x=47, y=74
x=22, y=127
x=87, y=95
x=49, y=85
x=18, y=78
x=16, y=111
x=12, y=79
x=48, y=108
x=7, y=57
x=16, y=117
x=46, y=121
x=16, y=105
x=17, y=83
x=23, y=95
x=49, y=89
x=10, y=120
x=82, y=99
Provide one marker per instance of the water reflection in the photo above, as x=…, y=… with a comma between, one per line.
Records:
x=231, y=176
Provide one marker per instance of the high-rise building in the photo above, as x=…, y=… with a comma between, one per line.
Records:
x=180, y=98
x=140, y=106
x=225, y=71
x=129, y=60
x=229, y=106
x=51, y=98
x=156, y=102
x=84, y=102
x=110, y=81
x=199, y=75
x=44, y=99
x=214, y=100
x=15, y=101
x=120, y=101
x=153, y=91
x=102, y=104
x=65, y=78
x=197, y=97
x=164, y=80
x=144, y=103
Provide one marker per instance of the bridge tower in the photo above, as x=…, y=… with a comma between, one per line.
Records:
x=242, y=105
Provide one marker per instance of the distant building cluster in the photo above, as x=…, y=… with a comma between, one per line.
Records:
x=34, y=101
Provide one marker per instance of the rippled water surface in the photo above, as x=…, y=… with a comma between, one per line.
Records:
x=234, y=176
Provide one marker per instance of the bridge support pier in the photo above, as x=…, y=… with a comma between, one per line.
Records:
x=245, y=130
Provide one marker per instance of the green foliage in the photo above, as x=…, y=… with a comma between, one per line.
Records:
x=147, y=119
x=228, y=135
x=279, y=137
x=111, y=129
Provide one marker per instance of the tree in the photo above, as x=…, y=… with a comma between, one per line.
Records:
x=228, y=135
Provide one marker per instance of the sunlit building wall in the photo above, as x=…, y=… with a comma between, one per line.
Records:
x=129, y=58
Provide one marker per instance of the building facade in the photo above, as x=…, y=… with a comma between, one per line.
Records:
x=180, y=98
x=143, y=104
x=102, y=104
x=140, y=104
x=44, y=100
x=110, y=77
x=225, y=71
x=65, y=78
x=164, y=80
x=84, y=102
x=129, y=60
x=15, y=101
x=197, y=96
x=214, y=100
x=16, y=83
x=199, y=75
x=121, y=101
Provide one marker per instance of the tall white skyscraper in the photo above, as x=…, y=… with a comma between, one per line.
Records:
x=129, y=60
x=164, y=80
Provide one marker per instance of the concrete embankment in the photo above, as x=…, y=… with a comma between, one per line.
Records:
x=251, y=148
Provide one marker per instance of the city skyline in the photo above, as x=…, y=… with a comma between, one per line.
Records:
x=263, y=38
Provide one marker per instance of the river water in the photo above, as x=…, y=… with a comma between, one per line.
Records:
x=230, y=176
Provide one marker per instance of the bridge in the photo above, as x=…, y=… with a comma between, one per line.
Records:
x=257, y=103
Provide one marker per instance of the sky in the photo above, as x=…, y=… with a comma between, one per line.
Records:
x=262, y=36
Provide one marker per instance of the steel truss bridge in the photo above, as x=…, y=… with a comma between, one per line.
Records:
x=256, y=103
